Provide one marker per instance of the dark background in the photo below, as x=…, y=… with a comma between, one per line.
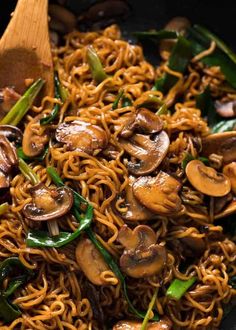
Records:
x=218, y=16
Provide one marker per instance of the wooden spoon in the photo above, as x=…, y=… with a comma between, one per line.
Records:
x=25, y=49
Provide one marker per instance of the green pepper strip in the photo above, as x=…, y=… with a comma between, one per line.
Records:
x=156, y=35
x=178, y=61
x=178, y=288
x=47, y=120
x=17, y=112
x=150, y=307
x=9, y=311
x=95, y=65
x=117, y=100
x=220, y=43
x=4, y=208
x=39, y=239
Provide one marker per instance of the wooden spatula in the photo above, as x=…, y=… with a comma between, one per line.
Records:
x=24, y=47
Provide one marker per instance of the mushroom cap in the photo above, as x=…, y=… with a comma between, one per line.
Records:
x=223, y=144
x=159, y=194
x=8, y=156
x=83, y=136
x=136, y=211
x=33, y=144
x=230, y=171
x=48, y=204
x=163, y=324
x=207, y=180
x=141, y=257
x=226, y=109
x=90, y=261
x=12, y=133
x=144, y=121
x=148, y=152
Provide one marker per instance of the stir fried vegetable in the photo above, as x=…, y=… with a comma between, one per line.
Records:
x=4, y=208
x=178, y=288
x=95, y=65
x=150, y=307
x=117, y=100
x=21, y=107
x=156, y=35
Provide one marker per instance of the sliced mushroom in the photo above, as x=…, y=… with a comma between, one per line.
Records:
x=159, y=194
x=33, y=143
x=136, y=211
x=207, y=180
x=223, y=144
x=79, y=135
x=48, y=204
x=177, y=24
x=12, y=133
x=8, y=97
x=4, y=180
x=8, y=156
x=62, y=20
x=90, y=261
x=141, y=257
x=148, y=152
x=164, y=324
x=144, y=121
x=226, y=109
x=230, y=171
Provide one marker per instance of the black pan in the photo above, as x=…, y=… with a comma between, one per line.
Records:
x=218, y=16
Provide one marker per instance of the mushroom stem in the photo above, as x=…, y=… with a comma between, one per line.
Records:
x=34, y=179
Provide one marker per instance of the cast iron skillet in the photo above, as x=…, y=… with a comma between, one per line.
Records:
x=218, y=16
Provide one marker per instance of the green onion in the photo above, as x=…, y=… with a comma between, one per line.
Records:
x=117, y=100
x=14, y=116
x=95, y=65
x=178, y=288
x=4, y=208
x=162, y=110
x=22, y=155
x=28, y=172
x=150, y=307
x=126, y=102
x=156, y=35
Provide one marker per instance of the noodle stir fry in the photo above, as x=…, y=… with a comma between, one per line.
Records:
x=118, y=192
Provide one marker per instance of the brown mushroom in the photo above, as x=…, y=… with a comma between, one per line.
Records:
x=149, y=152
x=177, y=24
x=159, y=194
x=226, y=109
x=4, y=180
x=207, y=180
x=136, y=211
x=230, y=171
x=48, y=204
x=223, y=144
x=141, y=257
x=164, y=324
x=8, y=156
x=12, y=133
x=230, y=209
x=62, y=20
x=144, y=121
x=79, y=135
x=90, y=261
x=8, y=97
x=33, y=141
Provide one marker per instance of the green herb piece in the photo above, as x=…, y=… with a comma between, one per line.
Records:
x=224, y=126
x=178, y=61
x=95, y=65
x=220, y=43
x=22, y=155
x=28, y=172
x=10, y=267
x=205, y=103
x=190, y=157
x=47, y=120
x=126, y=102
x=117, y=100
x=162, y=110
x=17, y=112
x=178, y=288
x=150, y=307
x=4, y=208
x=156, y=35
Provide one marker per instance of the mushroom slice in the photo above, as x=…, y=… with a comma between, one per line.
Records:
x=90, y=261
x=144, y=121
x=230, y=171
x=12, y=133
x=8, y=156
x=223, y=144
x=33, y=141
x=226, y=109
x=136, y=211
x=141, y=257
x=79, y=135
x=159, y=194
x=207, y=180
x=48, y=204
x=148, y=152
x=4, y=180
x=163, y=324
